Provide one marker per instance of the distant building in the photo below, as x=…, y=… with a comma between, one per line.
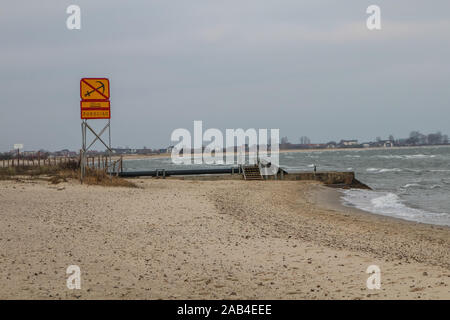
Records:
x=28, y=153
x=123, y=151
x=331, y=145
x=348, y=143
x=382, y=144
x=64, y=153
x=143, y=151
x=317, y=145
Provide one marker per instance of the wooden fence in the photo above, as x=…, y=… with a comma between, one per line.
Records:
x=37, y=161
x=94, y=162
x=105, y=163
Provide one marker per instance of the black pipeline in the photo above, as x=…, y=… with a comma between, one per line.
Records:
x=179, y=172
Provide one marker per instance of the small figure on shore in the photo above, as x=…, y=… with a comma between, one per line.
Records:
x=315, y=168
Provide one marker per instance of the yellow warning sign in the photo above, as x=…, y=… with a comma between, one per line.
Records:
x=95, y=114
x=95, y=104
x=94, y=89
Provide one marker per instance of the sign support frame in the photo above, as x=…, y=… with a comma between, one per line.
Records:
x=101, y=98
x=85, y=147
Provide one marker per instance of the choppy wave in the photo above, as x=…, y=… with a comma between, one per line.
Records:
x=421, y=186
x=389, y=204
x=419, y=156
x=414, y=170
x=404, y=156
x=388, y=156
x=382, y=170
x=412, y=185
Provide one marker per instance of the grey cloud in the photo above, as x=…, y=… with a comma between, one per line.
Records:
x=306, y=67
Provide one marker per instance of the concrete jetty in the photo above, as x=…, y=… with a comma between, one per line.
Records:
x=337, y=179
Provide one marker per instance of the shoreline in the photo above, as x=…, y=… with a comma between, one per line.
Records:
x=330, y=199
x=168, y=155
x=189, y=239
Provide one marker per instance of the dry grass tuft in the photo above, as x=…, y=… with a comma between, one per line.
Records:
x=32, y=171
x=101, y=178
x=57, y=179
x=64, y=172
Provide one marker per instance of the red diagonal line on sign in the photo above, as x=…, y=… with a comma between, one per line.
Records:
x=95, y=89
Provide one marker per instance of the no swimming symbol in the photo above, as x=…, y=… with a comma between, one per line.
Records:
x=94, y=89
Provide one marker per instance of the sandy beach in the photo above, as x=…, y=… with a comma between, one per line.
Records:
x=182, y=239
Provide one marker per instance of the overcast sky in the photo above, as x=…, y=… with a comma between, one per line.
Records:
x=306, y=67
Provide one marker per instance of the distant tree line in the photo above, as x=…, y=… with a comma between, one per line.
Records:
x=416, y=138
x=26, y=156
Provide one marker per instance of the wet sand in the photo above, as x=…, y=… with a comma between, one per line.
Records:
x=181, y=239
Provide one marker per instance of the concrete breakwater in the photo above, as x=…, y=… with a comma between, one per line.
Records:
x=330, y=178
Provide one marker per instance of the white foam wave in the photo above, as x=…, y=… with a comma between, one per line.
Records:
x=412, y=185
x=419, y=156
x=421, y=186
x=390, y=200
x=390, y=204
x=413, y=170
x=404, y=156
x=390, y=156
x=352, y=156
x=382, y=170
x=391, y=170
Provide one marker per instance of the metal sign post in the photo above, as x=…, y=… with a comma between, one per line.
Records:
x=85, y=147
x=95, y=104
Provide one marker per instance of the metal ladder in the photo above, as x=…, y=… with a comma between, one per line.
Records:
x=251, y=172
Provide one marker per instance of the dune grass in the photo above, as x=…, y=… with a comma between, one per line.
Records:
x=101, y=178
x=64, y=172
